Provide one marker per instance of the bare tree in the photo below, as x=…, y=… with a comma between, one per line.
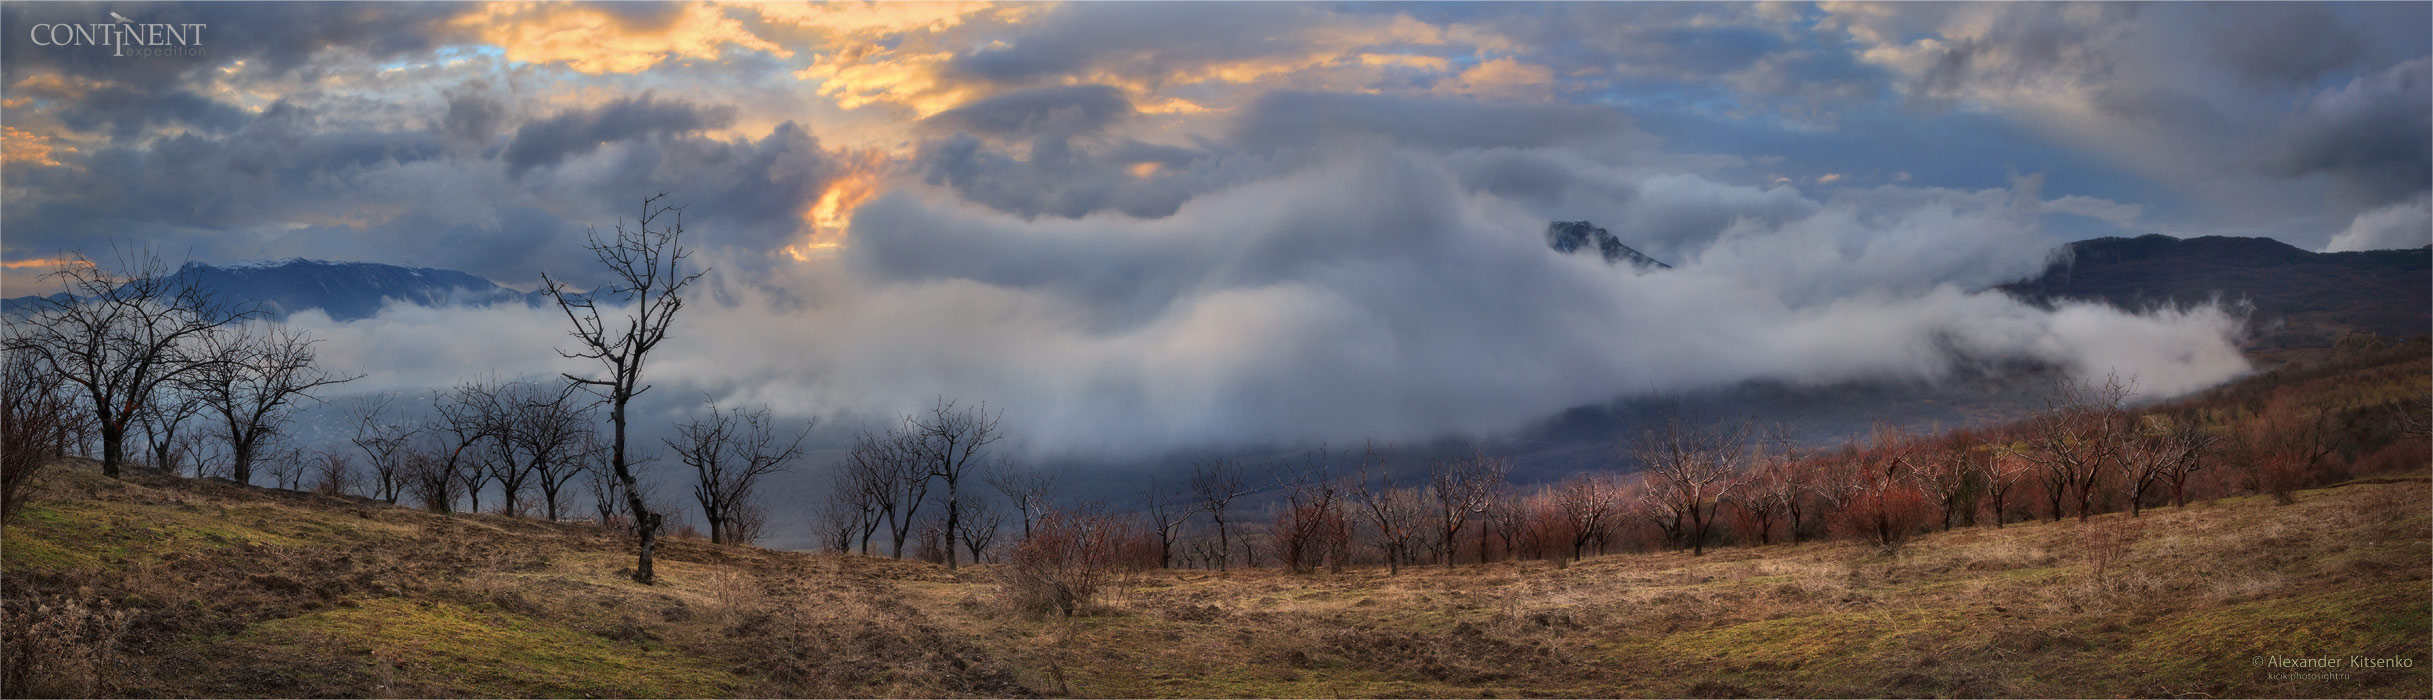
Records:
x=1950, y=474
x=844, y=518
x=1461, y=487
x=1397, y=512
x=980, y=524
x=2004, y=470
x=746, y=524
x=553, y=433
x=866, y=483
x=2076, y=437
x=120, y=340
x=1870, y=487
x=286, y=467
x=426, y=476
x=607, y=491
x=163, y=418
x=1691, y=471
x=1218, y=482
x=1587, y=503
x=649, y=280
x=2185, y=447
x=729, y=452
x=331, y=472
x=1167, y=514
x=383, y=440
x=1508, y=517
x=252, y=381
x=948, y=442
x=34, y=410
x=1313, y=528
x=887, y=466
x=1772, y=488
x=1029, y=490
x=506, y=463
x=460, y=423
x=2147, y=455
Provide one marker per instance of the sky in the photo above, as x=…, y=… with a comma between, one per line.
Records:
x=1134, y=226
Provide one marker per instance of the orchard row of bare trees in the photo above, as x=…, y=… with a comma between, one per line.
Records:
x=932, y=460
x=1684, y=485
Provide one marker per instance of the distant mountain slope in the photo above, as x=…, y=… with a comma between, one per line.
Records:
x=345, y=290
x=2301, y=299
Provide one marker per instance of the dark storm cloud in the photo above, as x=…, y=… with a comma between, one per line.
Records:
x=2284, y=43
x=1060, y=178
x=2369, y=137
x=294, y=180
x=747, y=194
x=127, y=113
x=473, y=115
x=1296, y=120
x=197, y=181
x=1141, y=40
x=575, y=132
x=1068, y=109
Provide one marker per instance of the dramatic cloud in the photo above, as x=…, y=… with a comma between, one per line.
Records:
x=1059, y=110
x=2373, y=137
x=546, y=142
x=1138, y=226
x=1367, y=294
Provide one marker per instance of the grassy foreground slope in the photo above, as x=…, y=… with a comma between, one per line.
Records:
x=234, y=591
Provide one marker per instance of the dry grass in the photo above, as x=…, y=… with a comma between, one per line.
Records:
x=2175, y=602
x=231, y=591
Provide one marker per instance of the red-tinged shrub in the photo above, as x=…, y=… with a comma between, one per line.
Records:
x=1753, y=526
x=2404, y=456
x=1068, y=557
x=1883, y=514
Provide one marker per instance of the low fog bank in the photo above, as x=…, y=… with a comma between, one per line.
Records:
x=1375, y=293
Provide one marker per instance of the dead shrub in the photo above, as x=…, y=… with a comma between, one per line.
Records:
x=61, y=648
x=734, y=594
x=2102, y=544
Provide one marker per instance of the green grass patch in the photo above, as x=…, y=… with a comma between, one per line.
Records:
x=455, y=650
x=96, y=535
x=2379, y=620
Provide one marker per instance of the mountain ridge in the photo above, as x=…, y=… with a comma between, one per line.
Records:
x=2298, y=299
x=345, y=290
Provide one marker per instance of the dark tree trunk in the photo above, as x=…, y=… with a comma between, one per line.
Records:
x=646, y=523
x=113, y=448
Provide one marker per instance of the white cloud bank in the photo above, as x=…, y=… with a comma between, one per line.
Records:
x=1370, y=294
x=2405, y=224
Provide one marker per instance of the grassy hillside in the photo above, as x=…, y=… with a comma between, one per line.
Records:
x=231, y=591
